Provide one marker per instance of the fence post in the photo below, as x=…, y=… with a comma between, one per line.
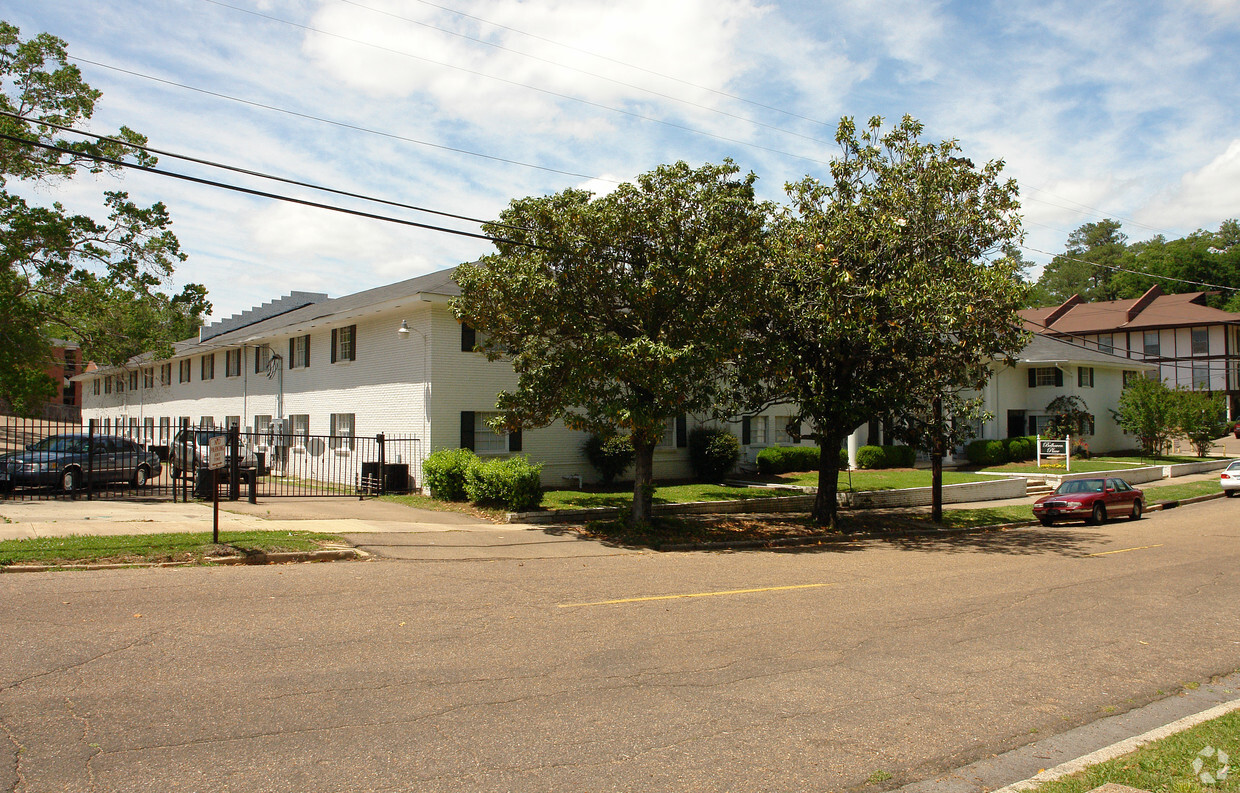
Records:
x=234, y=467
x=90, y=464
x=187, y=457
x=382, y=464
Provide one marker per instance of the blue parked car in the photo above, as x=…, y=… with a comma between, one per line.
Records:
x=64, y=460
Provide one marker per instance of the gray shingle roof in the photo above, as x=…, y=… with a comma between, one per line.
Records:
x=1045, y=349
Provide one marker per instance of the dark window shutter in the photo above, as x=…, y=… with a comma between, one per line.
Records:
x=258, y=356
x=1058, y=377
x=292, y=348
x=514, y=441
x=353, y=342
x=1033, y=378
x=334, y=333
x=745, y=431
x=682, y=432
x=468, y=338
x=307, y=361
x=467, y=429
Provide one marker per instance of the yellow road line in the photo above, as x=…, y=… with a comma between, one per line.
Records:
x=694, y=595
x=1126, y=550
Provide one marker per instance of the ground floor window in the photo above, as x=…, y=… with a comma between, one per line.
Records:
x=342, y=431
x=300, y=425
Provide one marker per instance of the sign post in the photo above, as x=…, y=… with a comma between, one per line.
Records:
x=215, y=461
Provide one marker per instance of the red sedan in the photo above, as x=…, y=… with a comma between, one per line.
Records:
x=1091, y=499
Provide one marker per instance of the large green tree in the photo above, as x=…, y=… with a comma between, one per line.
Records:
x=98, y=282
x=620, y=313
x=1086, y=267
x=885, y=300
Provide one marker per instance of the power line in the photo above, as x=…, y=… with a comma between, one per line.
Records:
x=1130, y=271
x=526, y=86
x=341, y=124
x=259, y=174
x=264, y=194
x=586, y=72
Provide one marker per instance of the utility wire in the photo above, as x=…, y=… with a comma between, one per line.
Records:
x=586, y=72
x=264, y=194
x=616, y=61
x=526, y=86
x=1127, y=270
x=341, y=124
x=259, y=174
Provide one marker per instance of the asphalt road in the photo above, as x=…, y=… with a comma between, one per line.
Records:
x=747, y=671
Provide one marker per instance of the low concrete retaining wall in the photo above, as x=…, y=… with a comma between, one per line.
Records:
x=1133, y=476
x=1184, y=469
x=1013, y=487
x=912, y=497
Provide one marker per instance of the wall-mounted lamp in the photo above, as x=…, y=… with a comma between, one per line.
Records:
x=404, y=328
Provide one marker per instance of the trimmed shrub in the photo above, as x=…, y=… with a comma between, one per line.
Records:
x=610, y=456
x=712, y=453
x=1018, y=449
x=983, y=452
x=900, y=456
x=782, y=459
x=509, y=482
x=445, y=472
x=871, y=457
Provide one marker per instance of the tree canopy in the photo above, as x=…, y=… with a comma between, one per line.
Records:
x=886, y=302
x=621, y=313
x=99, y=283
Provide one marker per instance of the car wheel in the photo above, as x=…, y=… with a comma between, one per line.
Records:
x=176, y=472
x=1137, y=507
x=1099, y=515
x=140, y=476
x=1047, y=521
x=1229, y=493
x=70, y=480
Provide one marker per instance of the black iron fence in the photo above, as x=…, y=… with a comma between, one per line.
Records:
x=49, y=459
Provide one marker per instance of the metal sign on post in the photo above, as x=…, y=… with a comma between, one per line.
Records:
x=215, y=451
x=1048, y=447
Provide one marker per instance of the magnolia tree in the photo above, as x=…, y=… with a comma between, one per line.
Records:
x=620, y=313
x=96, y=282
x=885, y=298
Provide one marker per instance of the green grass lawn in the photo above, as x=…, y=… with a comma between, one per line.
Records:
x=1156, y=493
x=671, y=494
x=145, y=548
x=1167, y=765
x=1078, y=466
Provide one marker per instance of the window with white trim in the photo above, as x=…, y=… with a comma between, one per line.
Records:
x=299, y=423
x=165, y=429
x=97, y=386
x=1106, y=343
x=1201, y=377
x=1046, y=375
x=185, y=370
x=1201, y=341
x=758, y=430
x=668, y=439
x=262, y=357
x=342, y=431
x=299, y=352
x=1085, y=376
x=487, y=440
x=208, y=367
x=148, y=430
x=148, y=377
x=262, y=431
x=232, y=363
x=781, y=430
x=133, y=380
x=1152, y=344
x=165, y=374
x=344, y=344
x=206, y=422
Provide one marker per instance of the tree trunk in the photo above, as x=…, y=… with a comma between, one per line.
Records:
x=643, y=482
x=826, y=504
x=936, y=463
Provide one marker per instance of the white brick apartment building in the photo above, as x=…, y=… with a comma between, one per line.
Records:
x=391, y=359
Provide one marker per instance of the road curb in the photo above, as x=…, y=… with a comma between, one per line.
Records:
x=282, y=557
x=1121, y=748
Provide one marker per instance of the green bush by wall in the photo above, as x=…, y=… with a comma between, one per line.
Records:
x=445, y=472
x=712, y=453
x=512, y=483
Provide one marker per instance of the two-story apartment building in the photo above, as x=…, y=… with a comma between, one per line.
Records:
x=1192, y=344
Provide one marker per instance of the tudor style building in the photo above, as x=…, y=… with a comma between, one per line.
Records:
x=1193, y=345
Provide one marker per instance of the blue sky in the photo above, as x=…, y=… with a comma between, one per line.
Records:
x=1125, y=110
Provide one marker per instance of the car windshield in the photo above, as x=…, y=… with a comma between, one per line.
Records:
x=60, y=443
x=204, y=436
x=1234, y=466
x=1079, y=486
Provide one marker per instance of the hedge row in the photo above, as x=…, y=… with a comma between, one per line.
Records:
x=512, y=483
x=997, y=452
x=784, y=459
x=872, y=457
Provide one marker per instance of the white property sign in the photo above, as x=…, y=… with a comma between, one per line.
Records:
x=1053, y=447
x=215, y=451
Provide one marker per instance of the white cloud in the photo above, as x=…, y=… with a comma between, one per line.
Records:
x=1204, y=197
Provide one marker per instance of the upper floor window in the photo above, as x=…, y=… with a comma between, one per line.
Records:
x=1085, y=377
x=1045, y=375
x=185, y=370
x=133, y=380
x=232, y=363
x=165, y=374
x=262, y=357
x=1106, y=343
x=344, y=344
x=120, y=384
x=299, y=351
x=148, y=377
x=96, y=386
x=1153, y=346
x=1130, y=377
x=1201, y=341
x=208, y=367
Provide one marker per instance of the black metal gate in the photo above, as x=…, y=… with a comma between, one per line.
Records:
x=41, y=459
